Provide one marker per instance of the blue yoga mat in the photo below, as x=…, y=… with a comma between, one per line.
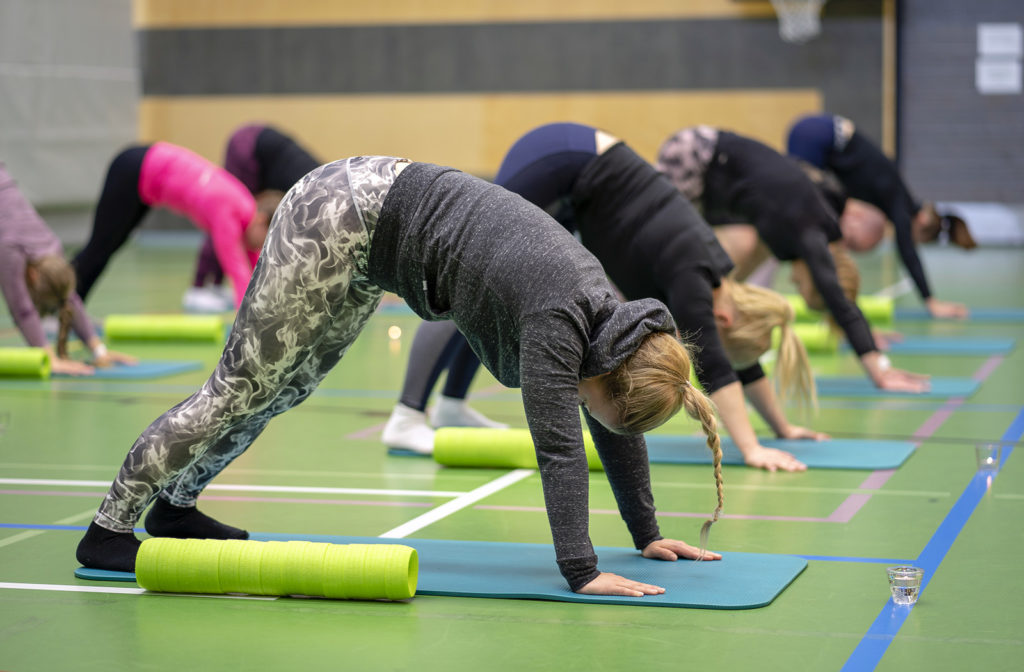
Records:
x=142, y=370
x=830, y=454
x=528, y=571
x=933, y=345
x=976, y=315
x=941, y=388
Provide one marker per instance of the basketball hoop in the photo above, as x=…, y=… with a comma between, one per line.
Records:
x=799, y=20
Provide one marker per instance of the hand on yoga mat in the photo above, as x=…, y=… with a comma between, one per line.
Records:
x=673, y=549
x=902, y=381
x=946, y=309
x=802, y=433
x=112, y=357
x=885, y=377
x=70, y=367
x=772, y=459
x=607, y=583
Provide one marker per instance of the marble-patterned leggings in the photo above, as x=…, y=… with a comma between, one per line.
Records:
x=306, y=303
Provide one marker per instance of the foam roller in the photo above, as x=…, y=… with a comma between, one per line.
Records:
x=337, y=571
x=24, y=363
x=164, y=328
x=498, y=448
x=817, y=337
x=877, y=309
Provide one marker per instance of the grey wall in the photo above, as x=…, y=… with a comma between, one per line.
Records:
x=68, y=94
x=956, y=144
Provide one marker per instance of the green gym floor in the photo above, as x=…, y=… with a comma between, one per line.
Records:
x=62, y=441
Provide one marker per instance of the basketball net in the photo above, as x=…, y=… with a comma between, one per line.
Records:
x=799, y=20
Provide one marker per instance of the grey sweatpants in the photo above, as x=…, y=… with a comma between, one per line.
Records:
x=308, y=299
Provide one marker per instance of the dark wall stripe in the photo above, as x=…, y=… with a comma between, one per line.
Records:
x=845, y=63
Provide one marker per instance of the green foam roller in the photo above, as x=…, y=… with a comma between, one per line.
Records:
x=877, y=309
x=24, y=363
x=207, y=328
x=370, y=571
x=239, y=566
x=817, y=337
x=355, y=571
x=496, y=448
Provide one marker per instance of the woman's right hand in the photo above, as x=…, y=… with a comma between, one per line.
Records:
x=607, y=583
x=772, y=459
x=898, y=380
x=70, y=367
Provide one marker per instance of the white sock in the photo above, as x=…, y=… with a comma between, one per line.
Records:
x=452, y=412
x=407, y=428
x=205, y=300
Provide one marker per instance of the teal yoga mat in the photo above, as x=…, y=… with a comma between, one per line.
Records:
x=528, y=571
x=976, y=315
x=140, y=371
x=937, y=345
x=941, y=388
x=830, y=454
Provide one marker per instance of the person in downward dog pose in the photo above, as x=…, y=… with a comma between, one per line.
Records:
x=37, y=280
x=264, y=159
x=169, y=176
x=545, y=320
x=728, y=176
x=832, y=143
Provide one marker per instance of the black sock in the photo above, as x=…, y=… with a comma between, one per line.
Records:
x=101, y=548
x=167, y=520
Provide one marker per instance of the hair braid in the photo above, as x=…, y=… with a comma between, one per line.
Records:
x=700, y=408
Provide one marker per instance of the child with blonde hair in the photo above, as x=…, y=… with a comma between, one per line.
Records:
x=36, y=281
x=544, y=319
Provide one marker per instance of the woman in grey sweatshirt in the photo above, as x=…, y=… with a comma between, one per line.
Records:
x=534, y=305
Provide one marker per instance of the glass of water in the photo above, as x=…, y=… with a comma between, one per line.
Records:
x=988, y=456
x=905, y=584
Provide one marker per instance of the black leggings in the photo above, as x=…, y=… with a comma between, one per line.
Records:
x=118, y=212
x=439, y=346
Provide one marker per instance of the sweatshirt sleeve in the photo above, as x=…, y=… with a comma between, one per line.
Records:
x=551, y=353
x=228, y=236
x=628, y=470
x=80, y=322
x=902, y=223
x=19, y=301
x=815, y=253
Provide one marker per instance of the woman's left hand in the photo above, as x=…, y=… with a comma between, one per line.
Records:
x=111, y=357
x=671, y=549
x=946, y=309
x=797, y=432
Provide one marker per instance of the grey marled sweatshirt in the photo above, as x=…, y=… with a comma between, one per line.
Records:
x=538, y=311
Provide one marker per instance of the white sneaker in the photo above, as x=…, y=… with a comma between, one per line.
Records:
x=205, y=300
x=451, y=412
x=407, y=429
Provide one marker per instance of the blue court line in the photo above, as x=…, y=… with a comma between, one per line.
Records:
x=841, y=558
x=876, y=641
x=827, y=558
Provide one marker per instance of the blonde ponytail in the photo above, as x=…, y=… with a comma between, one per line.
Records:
x=652, y=386
x=758, y=311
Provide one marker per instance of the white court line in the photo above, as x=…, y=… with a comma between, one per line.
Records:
x=248, y=488
x=64, y=588
x=460, y=502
